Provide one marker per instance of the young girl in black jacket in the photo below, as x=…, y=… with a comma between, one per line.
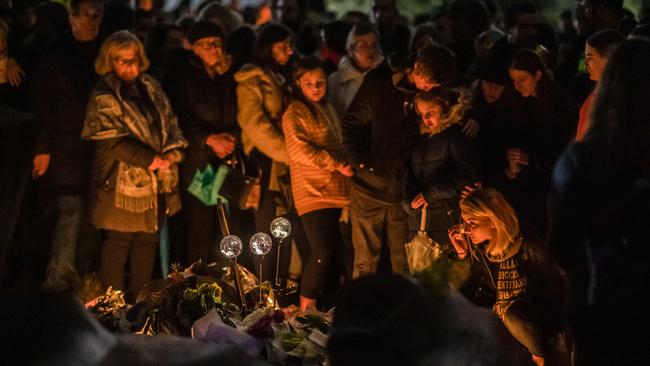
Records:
x=442, y=162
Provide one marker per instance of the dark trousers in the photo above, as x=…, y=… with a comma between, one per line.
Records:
x=263, y=217
x=321, y=273
x=373, y=222
x=140, y=250
x=204, y=232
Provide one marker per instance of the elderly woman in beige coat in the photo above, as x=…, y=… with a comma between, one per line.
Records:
x=137, y=147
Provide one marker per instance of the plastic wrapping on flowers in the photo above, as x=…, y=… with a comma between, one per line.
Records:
x=281, y=336
x=204, y=307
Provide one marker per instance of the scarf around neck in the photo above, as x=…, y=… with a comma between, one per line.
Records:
x=144, y=116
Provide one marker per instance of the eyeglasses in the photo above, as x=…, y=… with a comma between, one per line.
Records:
x=363, y=46
x=127, y=62
x=209, y=45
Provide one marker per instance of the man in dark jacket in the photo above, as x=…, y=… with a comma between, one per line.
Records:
x=379, y=130
x=63, y=80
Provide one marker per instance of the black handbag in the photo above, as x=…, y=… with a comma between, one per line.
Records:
x=242, y=186
x=284, y=181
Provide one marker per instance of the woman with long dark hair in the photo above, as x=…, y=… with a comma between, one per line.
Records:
x=599, y=208
x=544, y=123
x=597, y=50
x=263, y=91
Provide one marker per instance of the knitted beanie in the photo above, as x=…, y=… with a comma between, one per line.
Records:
x=204, y=29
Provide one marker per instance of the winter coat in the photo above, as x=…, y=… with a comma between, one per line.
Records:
x=315, y=149
x=441, y=166
x=62, y=82
x=106, y=103
x=343, y=84
x=260, y=104
x=544, y=126
x=496, y=133
x=379, y=130
x=204, y=106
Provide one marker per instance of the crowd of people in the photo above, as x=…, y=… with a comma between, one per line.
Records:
x=520, y=144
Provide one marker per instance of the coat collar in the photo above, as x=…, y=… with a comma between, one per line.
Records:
x=348, y=72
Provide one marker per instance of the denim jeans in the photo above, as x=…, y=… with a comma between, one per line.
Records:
x=64, y=240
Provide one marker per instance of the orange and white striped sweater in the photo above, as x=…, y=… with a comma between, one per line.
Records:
x=315, y=151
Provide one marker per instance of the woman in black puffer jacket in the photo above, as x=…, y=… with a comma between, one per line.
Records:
x=443, y=163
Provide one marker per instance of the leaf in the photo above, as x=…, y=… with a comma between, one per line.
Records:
x=290, y=340
x=313, y=321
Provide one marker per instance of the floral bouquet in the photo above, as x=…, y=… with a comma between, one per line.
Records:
x=110, y=310
x=291, y=336
x=300, y=340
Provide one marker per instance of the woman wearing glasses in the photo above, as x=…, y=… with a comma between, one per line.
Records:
x=137, y=146
x=525, y=284
x=204, y=96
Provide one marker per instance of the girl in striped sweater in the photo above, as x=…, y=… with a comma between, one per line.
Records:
x=319, y=177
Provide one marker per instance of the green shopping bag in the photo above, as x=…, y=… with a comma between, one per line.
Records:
x=206, y=185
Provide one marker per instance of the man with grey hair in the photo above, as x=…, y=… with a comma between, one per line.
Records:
x=363, y=54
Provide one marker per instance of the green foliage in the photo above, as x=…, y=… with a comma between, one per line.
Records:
x=309, y=322
x=196, y=302
x=290, y=340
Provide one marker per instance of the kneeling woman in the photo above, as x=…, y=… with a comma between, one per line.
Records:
x=319, y=177
x=527, y=285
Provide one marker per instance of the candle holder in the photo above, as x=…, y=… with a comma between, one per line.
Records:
x=260, y=245
x=231, y=247
x=280, y=230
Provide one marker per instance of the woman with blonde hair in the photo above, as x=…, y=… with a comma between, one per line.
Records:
x=137, y=146
x=524, y=283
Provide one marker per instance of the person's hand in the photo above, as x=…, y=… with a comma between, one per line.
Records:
x=346, y=170
x=174, y=156
x=517, y=156
x=159, y=163
x=15, y=73
x=471, y=128
x=458, y=241
x=40, y=165
x=470, y=188
x=516, y=159
x=418, y=202
x=223, y=144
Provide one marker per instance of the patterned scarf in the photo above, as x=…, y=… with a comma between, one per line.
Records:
x=114, y=116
